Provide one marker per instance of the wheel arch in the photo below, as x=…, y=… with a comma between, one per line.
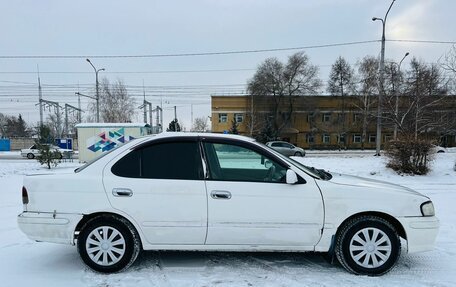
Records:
x=391, y=219
x=87, y=217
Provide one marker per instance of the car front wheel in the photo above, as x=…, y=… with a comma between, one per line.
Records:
x=298, y=153
x=30, y=156
x=107, y=244
x=368, y=245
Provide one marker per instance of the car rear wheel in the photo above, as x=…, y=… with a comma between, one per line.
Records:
x=30, y=156
x=108, y=244
x=368, y=245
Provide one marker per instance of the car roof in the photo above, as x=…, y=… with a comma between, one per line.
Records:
x=206, y=135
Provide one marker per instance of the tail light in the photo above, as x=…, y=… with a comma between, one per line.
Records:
x=25, y=199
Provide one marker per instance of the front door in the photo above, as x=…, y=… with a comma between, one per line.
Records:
x=249, y=202
x=161, y=187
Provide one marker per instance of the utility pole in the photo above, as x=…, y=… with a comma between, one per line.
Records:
x=159, y=119
x=175, y=117
x=79, y=106
x=96, y=88
x=79, y=100
x=382, y=90
x=40, y=98
x=144, y=107
x=396, y=111
x=191, y=116
x=57, y=108
x=150, y=115
x=67, y=106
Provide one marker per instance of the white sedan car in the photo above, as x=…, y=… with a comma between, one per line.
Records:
x=178, y=191
x=33, y=151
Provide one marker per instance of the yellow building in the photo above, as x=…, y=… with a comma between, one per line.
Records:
x=317, y=122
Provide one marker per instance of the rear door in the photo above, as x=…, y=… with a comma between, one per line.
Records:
x=249, y=202
x=160, y=185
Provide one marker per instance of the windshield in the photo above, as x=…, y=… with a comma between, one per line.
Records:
x=312, y=171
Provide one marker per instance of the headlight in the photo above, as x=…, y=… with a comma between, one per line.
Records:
x=427, y=209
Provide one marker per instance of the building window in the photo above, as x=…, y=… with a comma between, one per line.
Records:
x=310, y=138
x=223, y=118
x=388, y=138
x=341, y=139
x=372, y=138
x=326, y=117
x=357, y=138
x=239, y=118
x=356, y=117
x=310, y=118
x=325, y=138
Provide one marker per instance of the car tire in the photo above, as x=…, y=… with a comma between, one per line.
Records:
x=108, y=244
x=30, y=156
x=297, y=153
x=375, y=256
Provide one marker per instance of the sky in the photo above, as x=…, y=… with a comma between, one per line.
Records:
x=131, y=28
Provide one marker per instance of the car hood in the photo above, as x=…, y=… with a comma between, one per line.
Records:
x=358, y=181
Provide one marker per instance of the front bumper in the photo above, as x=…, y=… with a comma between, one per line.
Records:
x=49, y=227
x=421, y=232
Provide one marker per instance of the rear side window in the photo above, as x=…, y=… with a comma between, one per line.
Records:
x=129, y=165
x=176, y=160
x=170, y=160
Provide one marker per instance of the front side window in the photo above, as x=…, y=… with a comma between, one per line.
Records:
x=229, y=162
x=168, y=160
x=223, y=118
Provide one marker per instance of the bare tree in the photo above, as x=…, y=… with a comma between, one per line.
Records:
x=367, y=89
x=116, y=106
x=449, y=63
x=279, y=84
x=424, y=89
x=200, y=124
x=341, y=83
x=3, y=123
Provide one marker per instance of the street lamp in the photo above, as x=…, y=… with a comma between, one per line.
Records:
x=397, y=96
x=96, y=88
x=382, y=73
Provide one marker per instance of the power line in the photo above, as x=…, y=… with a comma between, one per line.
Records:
x=135, y=72
x=422, y=41
x=186, y=54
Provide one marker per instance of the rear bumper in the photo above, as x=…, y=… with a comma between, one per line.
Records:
x=421, y=232
x=44, y=226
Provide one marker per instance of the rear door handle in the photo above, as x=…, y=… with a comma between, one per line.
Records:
x=125, y=192
x=220, y=194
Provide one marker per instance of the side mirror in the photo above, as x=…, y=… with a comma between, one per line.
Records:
x=292, y=177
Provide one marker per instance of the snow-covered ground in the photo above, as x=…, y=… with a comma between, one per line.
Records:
x=27, y=263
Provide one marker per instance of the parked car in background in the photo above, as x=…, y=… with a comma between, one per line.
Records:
x=438, y=149
x=286, y=148
x=211, y=192
x=33, y=151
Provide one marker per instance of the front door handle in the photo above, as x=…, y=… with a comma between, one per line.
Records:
x=126, y=192
x=220, y=194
